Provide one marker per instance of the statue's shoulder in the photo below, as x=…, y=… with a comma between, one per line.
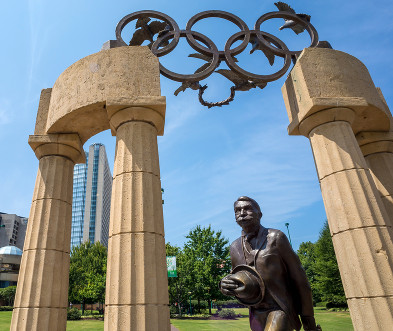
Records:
x=275, y=235
x=236, y=244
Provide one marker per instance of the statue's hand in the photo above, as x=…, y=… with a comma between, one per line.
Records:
x=309, y=324
x=229, y=286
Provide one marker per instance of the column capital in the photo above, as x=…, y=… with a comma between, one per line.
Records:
x=67, y=145
x=325, y=116
x=375, y=142
x=151, y=111
x=325, y=78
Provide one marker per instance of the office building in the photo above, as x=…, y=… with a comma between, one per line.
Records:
x=91, y=198
x=12, y=230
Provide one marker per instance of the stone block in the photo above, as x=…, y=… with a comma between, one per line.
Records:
x=371, y=314
x=43, y=279
x=136, y=204
x=80, y=94
x=136, y=149
x=350, y=201
x=325, y=78
x=365, y=258
x=34, y=319
x=135, y=317
x=332, y=157
x=42, y=114
x=49, y=225
x=137, y=270
x=54, y=179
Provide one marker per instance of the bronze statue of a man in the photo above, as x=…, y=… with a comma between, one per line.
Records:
x=267, y=275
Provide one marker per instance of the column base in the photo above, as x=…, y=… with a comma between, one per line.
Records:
x=371, y=313
x=39, y=319
x=137, y=317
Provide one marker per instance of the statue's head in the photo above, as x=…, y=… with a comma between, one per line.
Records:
x=247, y=213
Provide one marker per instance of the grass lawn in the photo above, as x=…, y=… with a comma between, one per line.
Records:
x=330, y=321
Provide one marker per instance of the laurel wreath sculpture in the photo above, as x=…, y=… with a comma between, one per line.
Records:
x=164, y=34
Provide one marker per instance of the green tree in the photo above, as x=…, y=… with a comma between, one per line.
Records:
x=8, y=294
x=306, y=253
x=87, y=273
x=176, y=285
x=206, y=260
x=327, y=276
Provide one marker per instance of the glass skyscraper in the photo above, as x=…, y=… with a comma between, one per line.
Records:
x=91, y=198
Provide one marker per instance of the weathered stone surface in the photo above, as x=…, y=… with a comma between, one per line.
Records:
x=68, y=145
x=136, y=270
x=137, y=149
x=137, y=317
x=132, y=214
x=119, y=76
x=371, y=314
x=39, y=319
x=329, y=96
x=42, y=114
x=42, y=294
x=43, y=280
x=137, y=285
x=325, y=78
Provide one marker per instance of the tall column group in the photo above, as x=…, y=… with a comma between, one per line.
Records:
x=330, y=97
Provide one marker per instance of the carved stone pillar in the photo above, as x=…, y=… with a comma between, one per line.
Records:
x=42, y=293
x=137, y=285
x=329, y=95
x=377, y=148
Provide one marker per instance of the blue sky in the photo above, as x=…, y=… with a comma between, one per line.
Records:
x=208, y=157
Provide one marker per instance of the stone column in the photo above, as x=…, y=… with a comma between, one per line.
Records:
x=137, y=285
x=329, y=95
x=42, y=293
x=377, y=148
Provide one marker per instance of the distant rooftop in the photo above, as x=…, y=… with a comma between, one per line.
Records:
x=10, y=250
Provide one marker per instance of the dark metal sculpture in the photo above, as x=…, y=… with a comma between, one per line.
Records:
x=164, y=34
x=267, y=275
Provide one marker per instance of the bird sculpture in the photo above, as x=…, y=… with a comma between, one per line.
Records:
x=256, y=45
x=241, y=84
x=195, y=85
x=147, y=31
x=296, y=27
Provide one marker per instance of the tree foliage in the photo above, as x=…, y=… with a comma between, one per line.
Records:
x=206, y=259
x=87, y=273
x=8, y=294
x=328, y=280
x=320, y=264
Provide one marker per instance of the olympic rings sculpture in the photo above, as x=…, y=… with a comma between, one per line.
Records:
x=167, y=35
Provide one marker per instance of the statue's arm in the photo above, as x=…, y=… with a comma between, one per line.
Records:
x=299, y=280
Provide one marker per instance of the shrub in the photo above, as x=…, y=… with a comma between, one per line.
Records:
x=6, y=308
x=227, y=313
x=73, y=314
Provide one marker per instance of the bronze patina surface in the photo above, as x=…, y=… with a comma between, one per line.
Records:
x=267, y=275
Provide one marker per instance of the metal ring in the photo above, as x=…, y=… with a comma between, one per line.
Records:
x=220, y=14
x=277, y=51
x=286, y=15
x=192, y=77
x=154, y=14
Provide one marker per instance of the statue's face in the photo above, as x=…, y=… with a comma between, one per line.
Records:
x=247, y=216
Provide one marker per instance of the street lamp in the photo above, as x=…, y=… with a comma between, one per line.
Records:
x=189, y=293
x=287, y=225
